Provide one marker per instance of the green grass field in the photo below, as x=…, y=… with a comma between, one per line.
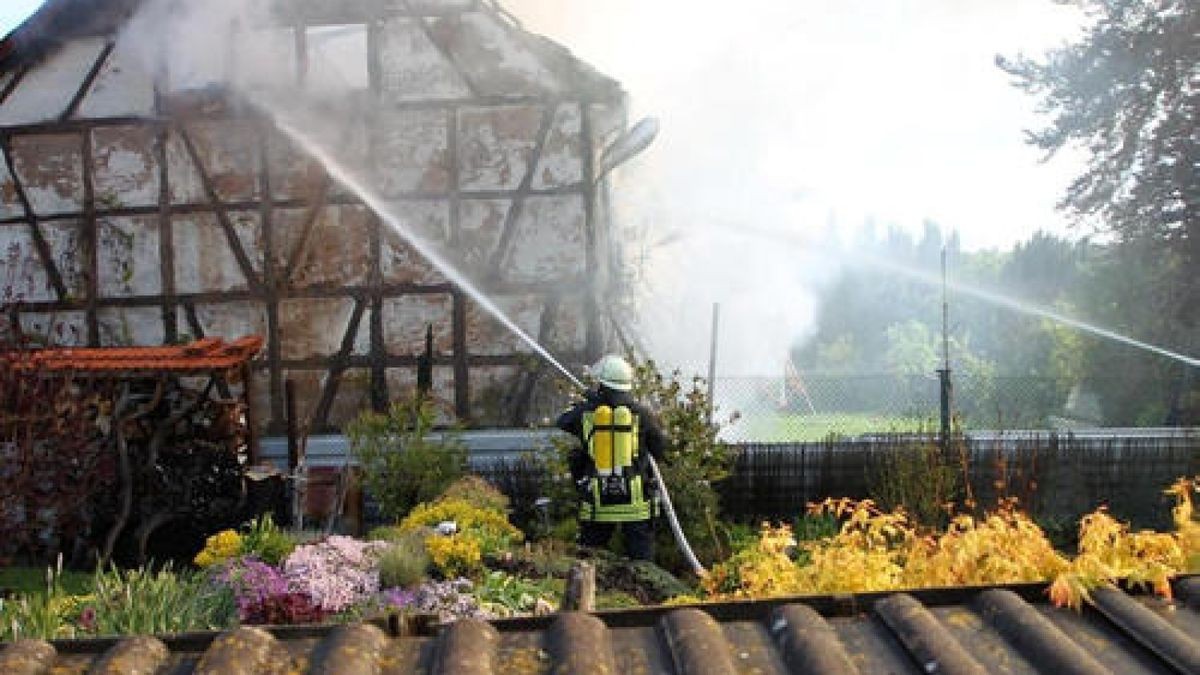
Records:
x=28, y=580
x=782, y=427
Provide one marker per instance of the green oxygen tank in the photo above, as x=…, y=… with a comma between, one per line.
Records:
x=602, y=440
x=622, y=438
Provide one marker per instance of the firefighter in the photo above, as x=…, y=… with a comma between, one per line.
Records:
x=610, y=467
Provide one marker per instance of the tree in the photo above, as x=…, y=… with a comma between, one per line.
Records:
x=1127, y=92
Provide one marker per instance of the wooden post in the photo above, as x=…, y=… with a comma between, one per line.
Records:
x=580, y=593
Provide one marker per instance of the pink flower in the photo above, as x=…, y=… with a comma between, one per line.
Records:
x=87, y=619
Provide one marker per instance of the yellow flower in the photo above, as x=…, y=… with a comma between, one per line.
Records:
x=218, y=548
x=455, y=555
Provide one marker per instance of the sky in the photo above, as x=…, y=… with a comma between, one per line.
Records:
x=13, y=12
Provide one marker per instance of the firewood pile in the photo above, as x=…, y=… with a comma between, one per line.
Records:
x=103, y=449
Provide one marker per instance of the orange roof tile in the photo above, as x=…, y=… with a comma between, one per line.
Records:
x=201, y=356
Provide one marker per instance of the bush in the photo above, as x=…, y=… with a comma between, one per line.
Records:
x=696, y=459
x=455, y=555
x=147, y=602
x=490, y=527
x=402, y=465
x=219, y=548
x=921, y=479
x=266, y=541
x=477, y=491
x=405, y=563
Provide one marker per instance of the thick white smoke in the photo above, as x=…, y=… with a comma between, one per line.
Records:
x=788, y=116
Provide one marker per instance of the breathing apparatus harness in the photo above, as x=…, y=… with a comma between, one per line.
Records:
x=615, y=490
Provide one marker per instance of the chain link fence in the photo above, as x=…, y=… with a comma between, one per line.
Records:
x=817, y=406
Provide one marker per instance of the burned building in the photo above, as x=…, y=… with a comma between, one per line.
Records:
x=141, y=203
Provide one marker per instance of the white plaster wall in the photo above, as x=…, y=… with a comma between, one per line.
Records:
x=46, y=91
x=122, y=87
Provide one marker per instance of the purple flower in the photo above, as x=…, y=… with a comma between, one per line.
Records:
x=450, y=600
x=398, y=598
x=253, y=582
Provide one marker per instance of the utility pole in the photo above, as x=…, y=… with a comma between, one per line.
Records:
x=944, y=371
x=712, y=359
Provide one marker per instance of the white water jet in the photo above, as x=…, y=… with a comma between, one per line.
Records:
x=343, y=175
x=983, y=294
x=1028, y=308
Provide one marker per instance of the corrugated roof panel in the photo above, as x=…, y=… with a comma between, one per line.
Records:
x=989, y=630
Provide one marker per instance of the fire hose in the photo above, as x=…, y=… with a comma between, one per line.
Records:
x=680, y=539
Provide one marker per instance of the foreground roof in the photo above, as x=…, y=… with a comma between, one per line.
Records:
x=1009, y=629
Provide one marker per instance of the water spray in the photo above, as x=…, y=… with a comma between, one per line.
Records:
x=1029, y=308
x=980, y=293
x=343, y=175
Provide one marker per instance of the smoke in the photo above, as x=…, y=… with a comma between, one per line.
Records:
x=800, y=119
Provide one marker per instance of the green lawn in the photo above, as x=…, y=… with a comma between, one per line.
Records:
x=27, y=580
x=781, y=427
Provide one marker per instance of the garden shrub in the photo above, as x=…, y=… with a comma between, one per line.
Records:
x=266, y=541
x=490, y=527
x=477, y=491
x=696, y=460
x=920, y=478
x=876, y=550
x=402, y=464
x=405, y=563
x=252, y=582
x=264, y=596
x=455, y=555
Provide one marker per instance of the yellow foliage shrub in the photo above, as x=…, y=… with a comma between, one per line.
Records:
x=1108, y=551
x=879, y=551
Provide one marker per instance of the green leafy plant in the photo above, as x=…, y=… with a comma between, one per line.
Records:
x=696, y=459
x=265, y=540
x=403, y=464
x=502, y=594
x=151, y=602
x=920, y=478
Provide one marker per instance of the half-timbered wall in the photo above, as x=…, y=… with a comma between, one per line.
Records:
x=137, y=210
